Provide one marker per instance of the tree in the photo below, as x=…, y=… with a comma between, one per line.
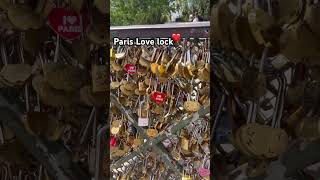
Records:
x=187, y=7
x=129, y=12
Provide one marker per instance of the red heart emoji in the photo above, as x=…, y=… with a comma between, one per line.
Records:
x=176, y=37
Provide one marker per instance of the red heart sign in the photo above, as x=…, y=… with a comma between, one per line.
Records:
x=68, y=24
x=176, y=37
x=113, y=141
x=130, y=68
x=158, y=97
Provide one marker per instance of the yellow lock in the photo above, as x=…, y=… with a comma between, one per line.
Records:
x=120, y=55
x=115, y=130
x=112, y=55
x=185, y=144
x=154, y=68
x=161, y=69
x=152, y=133
x=191, y=106
x=116, y=123
x=119, y=153
x=186, y=177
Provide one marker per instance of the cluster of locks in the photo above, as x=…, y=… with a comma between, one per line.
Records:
x=266, y=83
x=157, y=127
x=54, y=72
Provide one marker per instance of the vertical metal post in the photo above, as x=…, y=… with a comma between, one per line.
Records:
x=100, y=148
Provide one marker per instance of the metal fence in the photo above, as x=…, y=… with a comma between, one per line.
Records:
x=187, y=30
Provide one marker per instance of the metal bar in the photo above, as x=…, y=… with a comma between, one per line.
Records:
x=126, y=158
x=204, y=24
x=129, y=116
x=173, y=165
x=172, y=130
x=178, y=169
x=99, y=153
x=297, y=158
x=187, y=30
x=54, y=156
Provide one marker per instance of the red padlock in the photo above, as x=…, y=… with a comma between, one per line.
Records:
x=130, y=68
x=67, y=23
x=113, y=141
x=158, y=97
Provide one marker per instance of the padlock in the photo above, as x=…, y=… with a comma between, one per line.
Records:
x=154, y=97
x=32, y=39
x=50, y=73
x=64, y=77
x=24, y=18
x=76, y=5
x=99, y=77
x=288, y=11
x=222, y=17
x=185, y=176
x=241, y=35
x=294, y=40
x=97, y=31
x=102, y=6
x=11, y=77
x=51, y=96
x=311, y=14
x=152, y=133
x=92, y=99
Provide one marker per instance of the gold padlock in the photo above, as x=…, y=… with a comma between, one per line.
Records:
x=141, y=86
x=222, y=17
x=154, y=68
x=99, y=78
x=312, y=17
x=161, y=69
x=185, y=144
x=112, y=54
x=192, y=106
x=152, y=133
x=186, y=177
x=115, y=130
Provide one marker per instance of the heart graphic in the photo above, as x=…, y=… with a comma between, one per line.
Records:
x=176, y=37
x=71, y=19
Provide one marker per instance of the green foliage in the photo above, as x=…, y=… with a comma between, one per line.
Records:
x=187, y=7
x=129, y=12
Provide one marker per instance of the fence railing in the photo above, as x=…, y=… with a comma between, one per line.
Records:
x=185, y=29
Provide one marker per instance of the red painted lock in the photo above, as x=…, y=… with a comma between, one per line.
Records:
x=158, y=97
x=113, y=141
x=130, y=68
x=67, y=23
